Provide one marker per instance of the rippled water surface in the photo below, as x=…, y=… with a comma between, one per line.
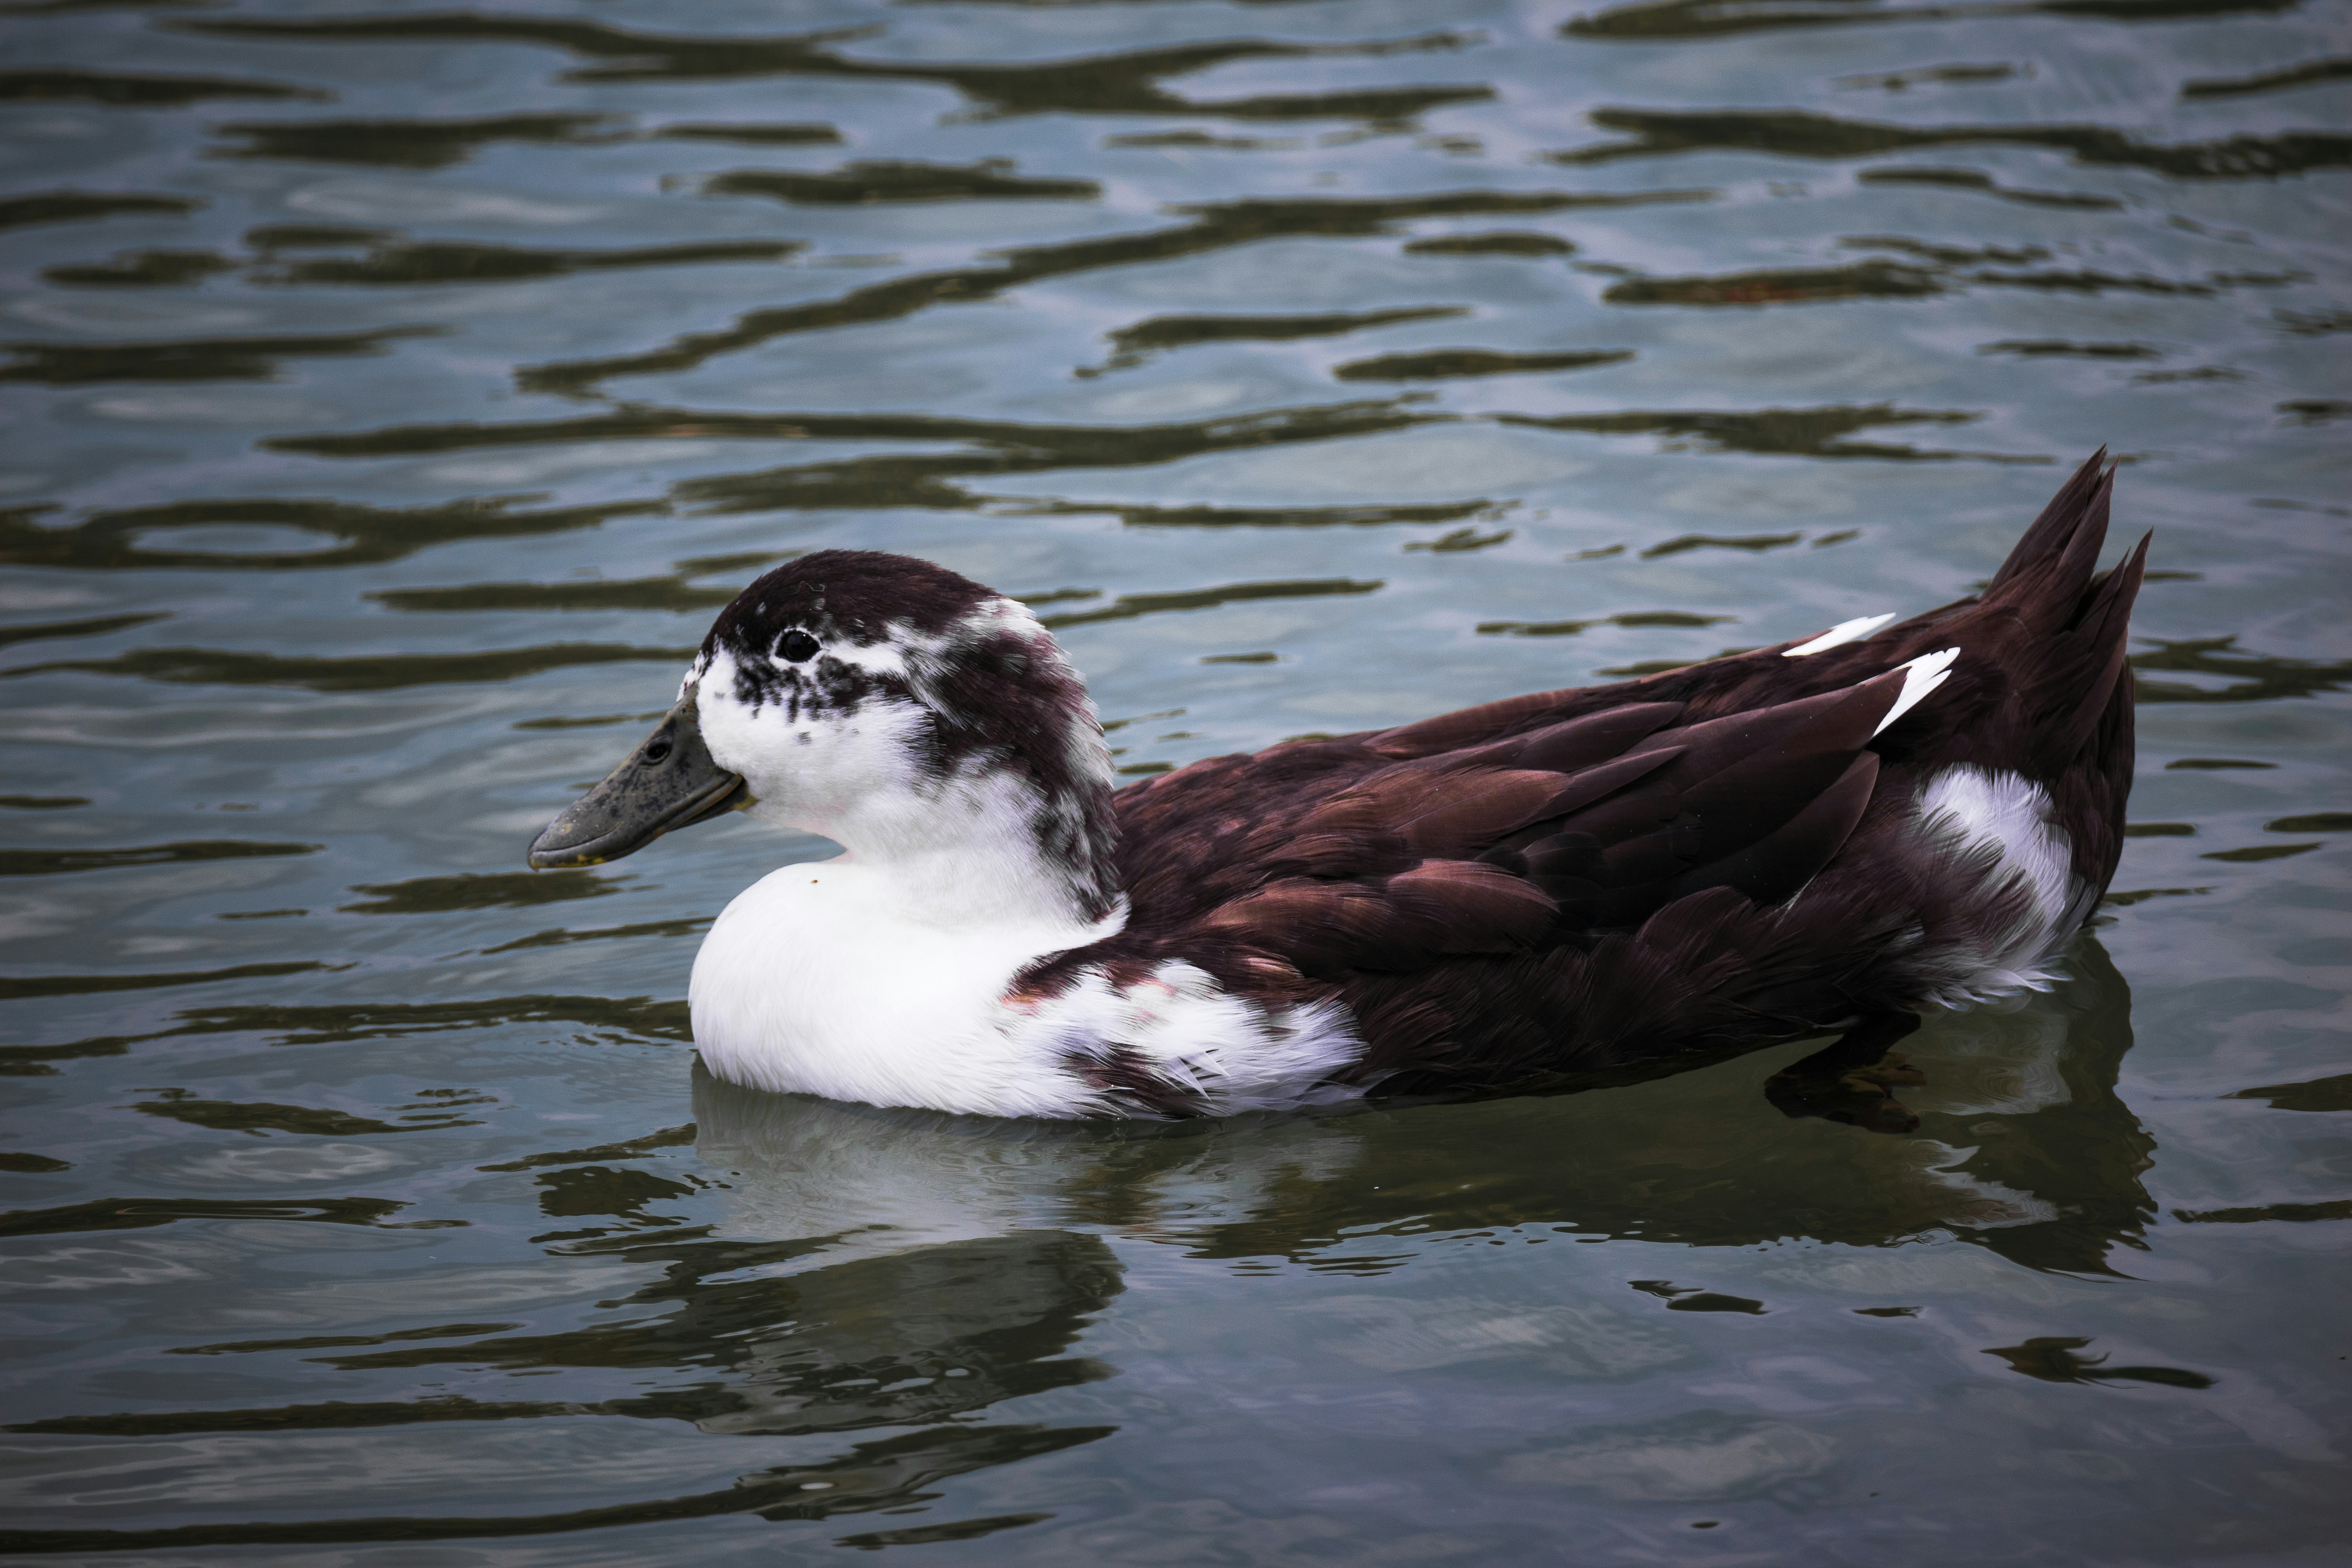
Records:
x=392, y=395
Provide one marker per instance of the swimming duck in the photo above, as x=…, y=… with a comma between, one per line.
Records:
x=1829, y=836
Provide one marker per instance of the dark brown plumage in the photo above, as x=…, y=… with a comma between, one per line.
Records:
x=1586, y=878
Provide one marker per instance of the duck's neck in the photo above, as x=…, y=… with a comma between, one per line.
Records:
x=986, y=849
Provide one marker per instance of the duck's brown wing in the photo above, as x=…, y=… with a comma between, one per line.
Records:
x=1335, y=860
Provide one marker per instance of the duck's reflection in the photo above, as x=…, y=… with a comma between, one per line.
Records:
x=903, y=1341
x=2022, y=1147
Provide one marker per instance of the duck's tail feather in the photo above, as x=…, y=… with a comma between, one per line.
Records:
x=2102, y=626
x=2054, y=556
x=2045, y=647
x=2065, y=624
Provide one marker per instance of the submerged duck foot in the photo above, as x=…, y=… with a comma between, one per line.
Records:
x=1852, y=1081
x=1895, y=1069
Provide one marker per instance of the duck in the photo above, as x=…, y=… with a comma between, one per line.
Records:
x=1832, y=836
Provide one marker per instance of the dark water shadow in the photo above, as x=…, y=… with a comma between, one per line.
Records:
x=479, y=891
x=1799, y=133
x=1127, y=607
x=405, y=266
x=1500, y=243
x=2251, y=677
x=1124, y=82
x=1140, y=515
x=351, y=533
x=140, y=269
x=627, y=1149
x=593, y=1020
x=77, y=207
x=364, y=672
x=2046, y=348
x=2054, y=1358
x=1781, y=286
x=131, y=89
x=675, y=592
x=1789, y=432
x=1935, y=269
x=1205, y=139
x=1977, y=180
x=1752, y=543
x=1632, y=618
x=1086, y=446
x=1131, y=345
x=54, y=862
x=146, y=1214
x=2321, y=1094
x=2305, y=75
x=890, y=1473
x=195, y=359
x=96, y=625
x=405, y=143
x=1454, y=364
x=889, y=180
x=2264, y=1214
x=274, y=237
x=748, y=134
x=1653, y=20
x=1902, y=80
x=259, y=1118
x=25, y=987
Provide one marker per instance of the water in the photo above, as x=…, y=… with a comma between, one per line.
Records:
x=393, y=396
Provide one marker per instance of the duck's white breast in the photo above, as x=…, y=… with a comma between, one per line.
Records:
x=811, y=981
x=815, y=980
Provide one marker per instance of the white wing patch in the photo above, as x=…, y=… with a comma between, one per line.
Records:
x=1839, y=634
x=1921, y=675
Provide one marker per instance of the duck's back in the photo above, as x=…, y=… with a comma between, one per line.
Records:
x=1749, y=849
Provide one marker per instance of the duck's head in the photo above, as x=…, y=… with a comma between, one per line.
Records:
x=911, y=715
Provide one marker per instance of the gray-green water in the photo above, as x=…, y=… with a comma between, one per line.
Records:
x=393, y=395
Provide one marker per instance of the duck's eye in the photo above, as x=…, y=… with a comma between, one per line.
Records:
x=657, y=750
x=796, y=646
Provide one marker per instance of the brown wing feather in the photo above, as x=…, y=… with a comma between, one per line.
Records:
x=1438, y=908
x=1464, y=727
x=1516, y=842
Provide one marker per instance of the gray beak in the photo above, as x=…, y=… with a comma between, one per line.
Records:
x=667, y=783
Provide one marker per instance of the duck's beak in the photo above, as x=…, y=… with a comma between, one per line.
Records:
x=667, y=783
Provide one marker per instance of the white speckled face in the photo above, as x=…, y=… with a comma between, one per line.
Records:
x=813, y=751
